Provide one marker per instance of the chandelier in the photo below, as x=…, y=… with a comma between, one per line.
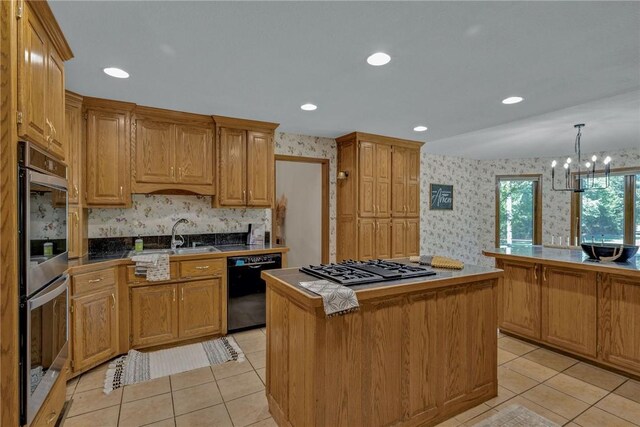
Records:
x=577, y=179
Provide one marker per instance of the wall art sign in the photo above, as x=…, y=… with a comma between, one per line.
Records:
x=441, y=197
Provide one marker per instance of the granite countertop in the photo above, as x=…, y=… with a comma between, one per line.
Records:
x=292, y=277
x=571, y=256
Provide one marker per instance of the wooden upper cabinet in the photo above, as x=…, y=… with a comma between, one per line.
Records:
x=383, y=180
x=154, y=152
x=367, y=179
x=194, y=155
x=233, y=158
x=42, y=51
x=519, y=294
x=73, y=133
x=246, y=163
x=107, y=157
x=94, y=328
x=412, y=186
x=399, y=182
x=569, y=312
x=200, y=308
x=260, y=168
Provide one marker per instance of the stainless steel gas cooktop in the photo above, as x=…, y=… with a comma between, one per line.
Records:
x=359, y=272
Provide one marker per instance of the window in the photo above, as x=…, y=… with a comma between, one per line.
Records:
x=518, y=210
x=612, y=214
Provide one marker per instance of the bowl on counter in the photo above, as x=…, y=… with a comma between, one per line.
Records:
x=611, y=252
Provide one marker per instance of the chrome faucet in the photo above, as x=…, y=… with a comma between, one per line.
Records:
x=177, y=242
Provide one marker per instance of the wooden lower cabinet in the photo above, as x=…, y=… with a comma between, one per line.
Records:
x=619, y=316
x=569, y=309
x=405, y=237
x=519, y=296
x=199, y=312
x=94, y=328
x=153, y=314
x=374, y=239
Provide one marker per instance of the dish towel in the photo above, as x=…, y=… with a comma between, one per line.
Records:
x=337, y=299
x=154, y=267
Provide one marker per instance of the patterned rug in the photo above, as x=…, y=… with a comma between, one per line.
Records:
x=516, y=416
x=136, y=367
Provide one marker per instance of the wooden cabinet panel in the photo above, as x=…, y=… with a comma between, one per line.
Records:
x=200, y=268
x=383, y=180
x=619, y=329
x=95, y=329
x=412, y=237
x=232, y=167
x=33, y=76
x=482, y=364
x=569, y=312
x=55, y=103
x=153, y=315
x=367, y=179
x=399, y=181
x=398, y=238
x=154, y=152
x=73, y=225
x=366, y=239
x=260, y=164
x=383, y=238
x=74, y=124
x=520, y=296
x=413, y=182
x=90, y=282
x=346, y=246
x=200, y=308
x=194, y=155
x=108, y=158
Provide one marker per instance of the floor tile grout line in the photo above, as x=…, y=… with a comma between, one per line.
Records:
x=173, y=403
x=225, y=404
x=603, y=397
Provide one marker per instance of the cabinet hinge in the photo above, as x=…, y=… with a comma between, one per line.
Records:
x=19, y=10
x=73, y=365
x=71, y=308
x=85, y=116
x=19, y=117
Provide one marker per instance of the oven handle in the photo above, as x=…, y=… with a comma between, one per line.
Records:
x=48, y=180
x=41, y=300
x=252, y=264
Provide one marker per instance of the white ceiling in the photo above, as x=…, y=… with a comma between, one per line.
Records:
x=452, y=63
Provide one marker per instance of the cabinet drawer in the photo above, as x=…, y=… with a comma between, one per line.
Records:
x=87, y=282
x=200, y=268
x=132, y=278
x=52, y=407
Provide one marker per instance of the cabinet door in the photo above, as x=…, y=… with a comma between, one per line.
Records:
x=154, y=152
x=232, y=167
x=569, y=309
x=366, y=239
x=398, y=238
x=95, y=329
x=260, y=165
x=73, y=225
x=366, y=179
x=383, y=238
x=412, y=237
x=194, y=155
x=619, y=313
x=154, y=315
x=107, y=158
x=399, y=181
x=33, y=45
x=520, y=296
x=413, y=182
x=55, y=103
x=75, y=147
x=200, y=308
x=383, y=181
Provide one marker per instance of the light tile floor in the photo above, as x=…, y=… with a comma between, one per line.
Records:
x=557, y=387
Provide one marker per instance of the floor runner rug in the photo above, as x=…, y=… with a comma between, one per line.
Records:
x=136, y=366
x=516, y=416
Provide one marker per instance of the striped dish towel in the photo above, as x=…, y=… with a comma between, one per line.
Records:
x=155, y=267
x=337, y=299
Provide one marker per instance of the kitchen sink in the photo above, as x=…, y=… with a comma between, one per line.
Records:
x=151, y=252
x=196, y=250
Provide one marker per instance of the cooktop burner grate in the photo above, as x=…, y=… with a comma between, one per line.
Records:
x=359, y=272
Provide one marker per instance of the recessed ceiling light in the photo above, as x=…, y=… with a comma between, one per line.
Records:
x=420, y=128
x=378, y=58
x=116, y=72
x=308, y=107
x=512, y=100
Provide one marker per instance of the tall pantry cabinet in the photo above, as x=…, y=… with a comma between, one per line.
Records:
x=379, y=197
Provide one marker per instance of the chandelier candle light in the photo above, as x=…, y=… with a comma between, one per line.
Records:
x=589, y=173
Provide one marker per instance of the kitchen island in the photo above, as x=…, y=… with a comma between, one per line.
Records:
x=418, y=351
x=561, y=299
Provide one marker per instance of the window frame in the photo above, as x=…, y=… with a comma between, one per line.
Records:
x=537, y=204
x=629, y=204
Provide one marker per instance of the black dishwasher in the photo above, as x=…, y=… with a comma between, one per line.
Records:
x=247, y=305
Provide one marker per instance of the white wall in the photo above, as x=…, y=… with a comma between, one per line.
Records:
x=301, y=184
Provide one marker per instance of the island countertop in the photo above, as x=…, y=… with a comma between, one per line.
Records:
x=556, y=256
